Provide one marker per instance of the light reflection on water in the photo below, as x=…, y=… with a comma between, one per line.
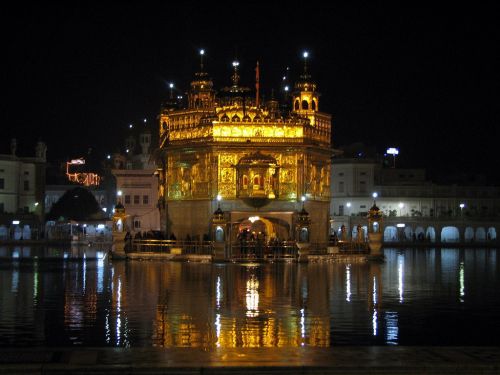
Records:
x=416, y=297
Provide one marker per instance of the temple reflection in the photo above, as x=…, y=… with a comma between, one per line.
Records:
x=253, y=306
x=193, y=305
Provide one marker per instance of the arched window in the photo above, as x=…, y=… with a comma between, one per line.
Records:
x=297, y=105
x=313, y=105
x=305, y=104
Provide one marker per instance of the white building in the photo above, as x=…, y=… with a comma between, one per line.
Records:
x=22, y=184
x=407, y=199
x=137, y=184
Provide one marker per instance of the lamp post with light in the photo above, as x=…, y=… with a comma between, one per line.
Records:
x=462, y=205
x=219, y=230
x=400, y=205
x=393, y=151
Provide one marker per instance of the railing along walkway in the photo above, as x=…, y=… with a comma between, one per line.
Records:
x=255, y=251
x=170, y=246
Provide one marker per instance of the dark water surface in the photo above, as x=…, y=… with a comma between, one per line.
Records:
x=415, y=297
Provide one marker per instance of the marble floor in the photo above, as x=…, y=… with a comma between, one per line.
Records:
x=336, y=360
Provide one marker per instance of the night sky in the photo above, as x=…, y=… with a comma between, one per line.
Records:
x=425, y=80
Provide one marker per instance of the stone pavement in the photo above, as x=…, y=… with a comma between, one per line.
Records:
x=335, y=360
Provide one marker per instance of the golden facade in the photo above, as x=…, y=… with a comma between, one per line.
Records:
x=252, y=155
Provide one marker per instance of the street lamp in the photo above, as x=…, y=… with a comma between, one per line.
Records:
x=219, y=198
x=171, y=86
x=401, y=205
x=348, y=204
x=461, y=205
x=393, y=151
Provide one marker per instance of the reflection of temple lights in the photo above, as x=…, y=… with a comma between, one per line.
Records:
x=392, y=329
x=100, y=271
x=108, y=331
x=217, y=329
x=462, y=281
x=374, y=317
x=15, y=281
x=400, y=277
x=35, y=281
x=253, y=219
x=252, y=297
x=84, y=271
x=118, y=310
x=348, y=283
x=218, y=293
x=302, y=326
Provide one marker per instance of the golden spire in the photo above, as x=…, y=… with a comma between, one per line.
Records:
x=257, y=80
x=235, y=77
x=306, y=55
x=202, y=53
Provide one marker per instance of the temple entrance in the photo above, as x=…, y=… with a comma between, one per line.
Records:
x=260, y=236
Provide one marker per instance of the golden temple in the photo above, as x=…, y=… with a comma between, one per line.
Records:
x=247, y=157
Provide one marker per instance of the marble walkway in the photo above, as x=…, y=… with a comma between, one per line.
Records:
x=336, y=360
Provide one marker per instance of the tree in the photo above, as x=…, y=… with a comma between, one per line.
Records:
x=76, y=204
